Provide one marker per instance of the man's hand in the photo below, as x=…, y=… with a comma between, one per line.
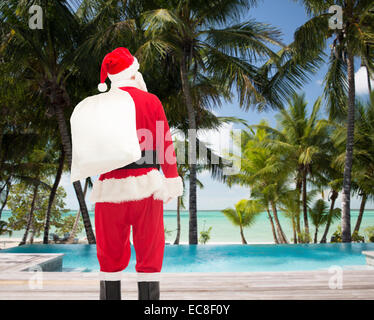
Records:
x=168, y=200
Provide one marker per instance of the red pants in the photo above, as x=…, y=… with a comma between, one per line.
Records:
x=112, y=225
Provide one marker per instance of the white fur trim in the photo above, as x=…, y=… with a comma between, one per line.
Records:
x=138, y=82
x=139, y=79
x=125, y=74
x=136, y=188
x=145, y=276
x=126, y=189
x=173, y=187
x=110, y=276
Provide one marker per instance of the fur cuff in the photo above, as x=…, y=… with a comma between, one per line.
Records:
x=110, y=276
x=172, y=187
x=143, y=276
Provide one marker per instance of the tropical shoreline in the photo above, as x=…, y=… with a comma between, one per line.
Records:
x=6, y=243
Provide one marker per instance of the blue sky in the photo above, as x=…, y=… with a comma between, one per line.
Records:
x=287, y=16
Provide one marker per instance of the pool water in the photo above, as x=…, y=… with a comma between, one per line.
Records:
x=221, y=258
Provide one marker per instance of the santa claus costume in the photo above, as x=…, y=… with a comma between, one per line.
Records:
x=133, y=195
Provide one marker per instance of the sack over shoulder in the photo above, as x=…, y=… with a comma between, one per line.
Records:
x=103, y=130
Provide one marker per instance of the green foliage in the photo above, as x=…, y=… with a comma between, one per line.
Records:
x=356, y=237
x=337, y=236
x=205, y=236
x=245, y=212
x=19, y=202
x=304, y=237
x=369, y=231
x=320, y=213
x=67, y=223
x=4, y=228
x=167, y=232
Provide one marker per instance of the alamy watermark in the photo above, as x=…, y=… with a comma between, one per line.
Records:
x=36, y=279
x=336, y=280
x=225, y=152
x=36, y=18
x=336, y=21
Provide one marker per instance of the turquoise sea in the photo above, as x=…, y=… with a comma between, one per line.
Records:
x=222, y=229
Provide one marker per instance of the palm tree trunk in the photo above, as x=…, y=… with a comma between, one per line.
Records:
x=369, y=81
x=272, y=226
x=75, y=226
x=293, y=218
x=281, y=235
x=242, y=235
x=316, y=235
x=305, y=208
x=65, y=137
x=193, y=239
x=32, y=234
x=177, y=238
x=298, y=228
x=346, y=199
x=29, y=219
x=7, y=185
x=361, y=213
x=76, y=222
x=367, y=69
x=334, y=196
x=52, y=195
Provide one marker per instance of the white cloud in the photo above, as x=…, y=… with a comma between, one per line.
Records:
x=362, y=81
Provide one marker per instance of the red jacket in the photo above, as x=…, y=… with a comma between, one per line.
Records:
x=153, y=134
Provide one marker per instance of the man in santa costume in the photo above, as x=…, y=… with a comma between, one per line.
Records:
x=133, y=195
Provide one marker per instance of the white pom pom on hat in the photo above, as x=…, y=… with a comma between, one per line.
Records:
x=102, y=87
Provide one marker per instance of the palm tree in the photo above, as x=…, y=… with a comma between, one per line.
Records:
x=330, y=175
x=87, y=183
x=188, y=34
x=362, y=182
x=320, y=214
x=47, y=58
x=53, y=194
x=41, y=168
x=303, y=141
x=21, y=129
x=204, y=159
x=264, y=172
x=184, y=174
x=244, y=214
x=4, y=228
x=290, y=207
x=355, y=39
x=363, y=162
x=330, y=218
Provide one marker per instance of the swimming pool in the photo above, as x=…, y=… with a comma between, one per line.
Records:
x=221, y=258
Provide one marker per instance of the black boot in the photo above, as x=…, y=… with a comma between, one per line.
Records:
x=149, y=290
x=110, y=290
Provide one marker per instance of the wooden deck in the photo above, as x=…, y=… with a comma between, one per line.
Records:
x=13, y=262
x=356, y=284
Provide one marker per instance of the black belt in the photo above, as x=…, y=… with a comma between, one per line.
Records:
x=148, y=160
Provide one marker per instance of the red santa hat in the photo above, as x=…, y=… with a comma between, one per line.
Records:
x=117, y=64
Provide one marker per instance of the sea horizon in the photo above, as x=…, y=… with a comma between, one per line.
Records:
x=223, y=231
